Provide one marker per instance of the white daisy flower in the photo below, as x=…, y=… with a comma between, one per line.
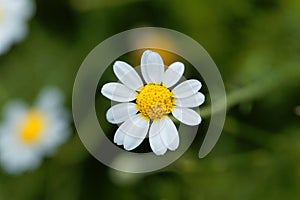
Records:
x=14, y=15
x=151, y=103
x=27, y=134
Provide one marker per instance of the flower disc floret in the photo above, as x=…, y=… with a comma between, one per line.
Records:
x=155, y=101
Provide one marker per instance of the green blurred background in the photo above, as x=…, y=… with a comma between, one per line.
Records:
x=255, y=44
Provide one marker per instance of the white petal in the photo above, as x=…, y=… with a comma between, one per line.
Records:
x=16, y=162
x=135, y=130
x=54, y=136
x=187, y=116
x=145, y=57
x=187, y=88
x=169, y=134
x=192, y=101
x=50, y=98
x=167, y=131
x=173, y=74
x=119, y=137
x=118, y=92
x=155, y=58
x=131, y=143
x=143, y=63
x=152, y=67
x=120, y=112
x=14, y=111
x=127, y=75
x=16, y=158
x=155, y=140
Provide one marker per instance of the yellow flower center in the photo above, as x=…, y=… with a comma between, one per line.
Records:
x=32, y=126
x=155, y=101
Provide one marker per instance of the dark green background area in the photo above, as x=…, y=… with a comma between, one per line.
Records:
x=255, y=44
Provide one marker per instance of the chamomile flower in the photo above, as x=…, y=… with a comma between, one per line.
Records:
x=14, y=15
x=145, y=108
x=27, y=134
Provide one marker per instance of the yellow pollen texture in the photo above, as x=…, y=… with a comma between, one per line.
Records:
x=32, y=126
x=155, y=101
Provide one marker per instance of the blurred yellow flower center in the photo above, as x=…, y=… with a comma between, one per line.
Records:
x=32, y=126
x=155, y=101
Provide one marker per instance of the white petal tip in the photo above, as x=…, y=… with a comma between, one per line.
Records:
x=119, y=143
x=118, y=92
x=197, y=121
x=105, y=90
x=159, y=154
x=155, y=58
x=128, y=148
x=146, y=52
x=187, y=88
x=174, y=144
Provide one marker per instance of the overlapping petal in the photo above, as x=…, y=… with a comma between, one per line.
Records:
x=134, y=131
x=152, y=67
x=163, y=135
x=156, y=143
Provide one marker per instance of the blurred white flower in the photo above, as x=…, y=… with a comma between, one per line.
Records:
x=153, y=102
x=27, y=134
x=14, y=15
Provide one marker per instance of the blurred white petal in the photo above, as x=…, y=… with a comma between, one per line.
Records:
x=49, y=98
x=14, y=111
x=14, y=15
